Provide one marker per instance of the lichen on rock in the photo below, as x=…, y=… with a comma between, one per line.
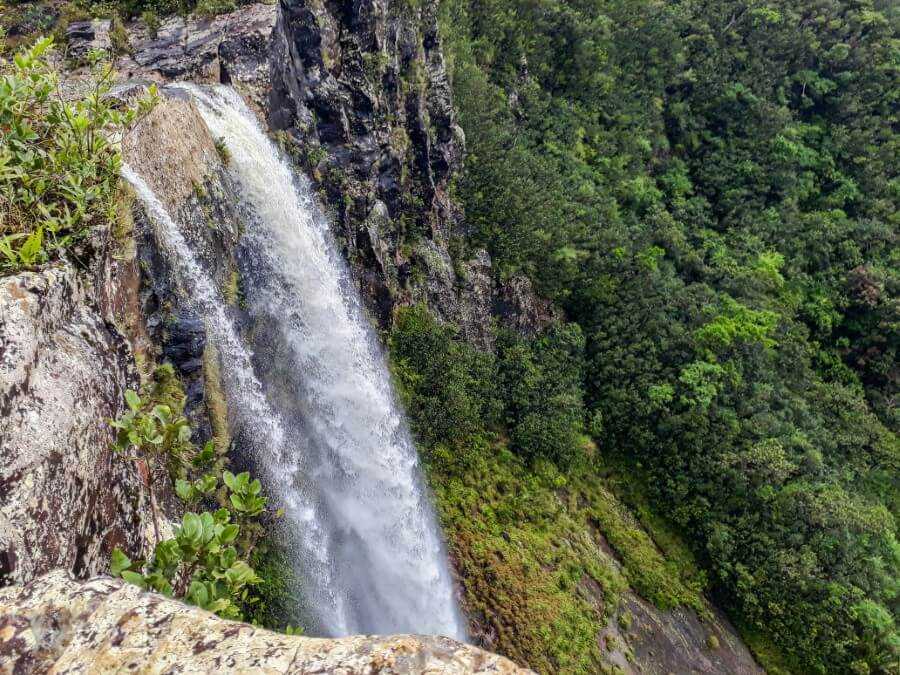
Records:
x=105, y=625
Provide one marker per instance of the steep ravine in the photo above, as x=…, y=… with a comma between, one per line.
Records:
x=361, y=97
x=61, y=476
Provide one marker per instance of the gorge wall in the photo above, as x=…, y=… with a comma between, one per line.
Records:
x=360, y=96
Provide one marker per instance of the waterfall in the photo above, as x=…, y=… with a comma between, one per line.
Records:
x=312, y=401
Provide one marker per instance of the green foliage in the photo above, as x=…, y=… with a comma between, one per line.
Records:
x=199, y=564
x=448, y=387
x=211, y=8
x=206, y=561
x=118, y=36
x=458, y=396
x=276, y=596
x=525, y=535
x=223, y=151
x=153, y=428
x=151, y=20
x=526, y=541
x=708, y=189
x=541, y=387
x=59, y=163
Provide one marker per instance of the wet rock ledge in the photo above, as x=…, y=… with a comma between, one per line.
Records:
x=104, y=625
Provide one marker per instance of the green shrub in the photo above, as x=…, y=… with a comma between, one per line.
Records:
x=448, y=386
x=59, y=163
x=211, y=8
x=541, y=389
x=118, y=36
x=223, y=151
x=206, y=562
x=151, y=20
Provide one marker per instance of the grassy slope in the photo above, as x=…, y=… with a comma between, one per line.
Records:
x=526, y=545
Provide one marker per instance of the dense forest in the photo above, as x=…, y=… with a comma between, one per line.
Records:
x=709, y=190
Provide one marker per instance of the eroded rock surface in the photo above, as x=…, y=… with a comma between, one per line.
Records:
x=68, y=339
x=66, y=499
x=363, y=92
x=230, y=49
x=105, y=625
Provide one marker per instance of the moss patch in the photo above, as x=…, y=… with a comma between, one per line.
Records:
x=216, y=406
x=527, y=545
x=274, y=599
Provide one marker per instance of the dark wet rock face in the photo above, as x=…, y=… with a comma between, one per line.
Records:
x=105, y=625
x=362, y=91
x=230, y=49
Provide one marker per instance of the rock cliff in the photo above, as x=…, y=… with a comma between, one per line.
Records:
x=65, y=499
x=106, y=625
x=75, y=336
x=362, y=91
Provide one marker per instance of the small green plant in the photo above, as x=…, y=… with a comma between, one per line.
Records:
x=151, y=20
x=205, y=563
x=211, y=8
x=200, y=564
x=156, y=433
x=224, y=152
x=59, y=162
x=118, y=36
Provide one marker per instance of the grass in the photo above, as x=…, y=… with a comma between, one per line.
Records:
x=627, y=490
x=527, y=547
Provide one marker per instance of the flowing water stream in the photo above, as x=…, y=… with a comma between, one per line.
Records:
x=311, y=400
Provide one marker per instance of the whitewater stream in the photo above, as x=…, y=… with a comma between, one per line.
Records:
x=310, y=399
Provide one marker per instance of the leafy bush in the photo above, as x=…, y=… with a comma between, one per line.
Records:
x=200, y=564
x=59, y=163
x=448, y=387
x=206, y=562
x=541, y=385
x=151, y=20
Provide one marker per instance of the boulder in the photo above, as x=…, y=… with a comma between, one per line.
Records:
x=106, y=625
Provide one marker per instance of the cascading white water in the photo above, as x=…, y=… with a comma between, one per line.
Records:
x=253, y=415
x=323, y=422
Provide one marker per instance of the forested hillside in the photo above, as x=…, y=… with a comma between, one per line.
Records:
x=680, y=384
x=709, y=191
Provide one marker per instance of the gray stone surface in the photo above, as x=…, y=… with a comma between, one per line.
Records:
x=65, y=498
x=105, y=625
x=231, y=48
x=362, y=90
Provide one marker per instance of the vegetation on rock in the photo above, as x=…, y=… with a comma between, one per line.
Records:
x=709, y=191
x=206, y=561
x=59, y=163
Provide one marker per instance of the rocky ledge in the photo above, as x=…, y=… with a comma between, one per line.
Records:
x=230, y=49
x=105, y=625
